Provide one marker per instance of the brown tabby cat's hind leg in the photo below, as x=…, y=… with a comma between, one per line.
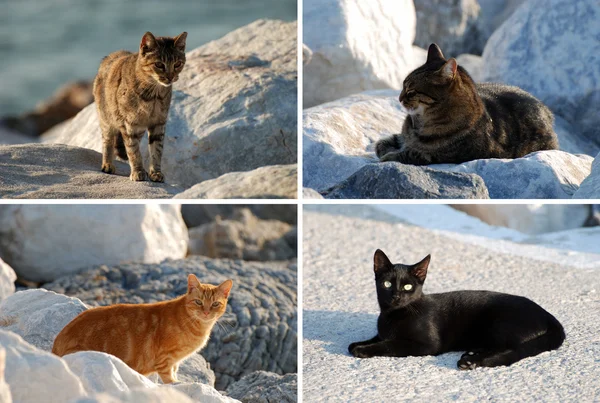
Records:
x=156, y=136
x=132, y=146
x=108, y=150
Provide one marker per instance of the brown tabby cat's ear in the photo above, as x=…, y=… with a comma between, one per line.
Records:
x=380, y=261
x=193, y=283
x=225, y=287
x=180, y=41
x=420, y=269
x=148, y=43
x=434, y=53
x=448, y=70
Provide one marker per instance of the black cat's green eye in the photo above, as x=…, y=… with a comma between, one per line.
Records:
x=408, y=287
x=387, y=284
x=216, y=304
x=198, y=302
x=159, y=65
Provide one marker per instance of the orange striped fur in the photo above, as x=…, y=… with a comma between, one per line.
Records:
x=149, y=337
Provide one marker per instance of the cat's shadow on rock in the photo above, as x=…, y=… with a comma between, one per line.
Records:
x=338, y=329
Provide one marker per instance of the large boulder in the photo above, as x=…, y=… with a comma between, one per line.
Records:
x=156, y=395
x=391, y=180
x=234, y=107
x=265, y=387
x=550, y=48
x=54, y=381
x=195, y=215
x=590, y=187
x=38, y=315
x=52, y=171
x=7, y=280
x=43, y=242
x=5, y=395
x=270, y=182
x=259, y=329
x=201, y=393
x=356, y=46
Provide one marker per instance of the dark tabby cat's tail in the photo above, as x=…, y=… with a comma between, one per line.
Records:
x=120, y=147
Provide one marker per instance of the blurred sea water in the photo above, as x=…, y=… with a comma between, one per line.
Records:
x=47, y=43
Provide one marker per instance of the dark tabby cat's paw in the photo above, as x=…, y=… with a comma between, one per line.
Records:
x=469, y=360
x=109, y=168
x=138, y=175
x=156, y=176
x=392, y=156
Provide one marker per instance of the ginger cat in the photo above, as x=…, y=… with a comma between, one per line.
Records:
x=149, y=337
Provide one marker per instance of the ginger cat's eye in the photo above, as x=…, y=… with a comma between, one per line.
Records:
x=198, y=302
x=408, y=287
x=160, y=65
x=387, y=284
x=216, y=304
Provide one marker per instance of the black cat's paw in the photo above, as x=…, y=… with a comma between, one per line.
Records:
x=361, y=352
x=469, y=360
x=351, y=347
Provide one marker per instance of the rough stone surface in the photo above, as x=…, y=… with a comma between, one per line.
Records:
x=54, y=381
x=550, y=48
x=259, y=330
x=38, y=315
x=590, y=187
x=202, y=393
x=234, y=107
x=198, y=214
x=356, y=46
x=7, y=280
x=270, y=182
x=195, y=369
x=245, y=237
x=42, y=242
x=541, y=175
x=265, y=387
x=392, y=180
x=53, y=171
x=5, y=395
x=308, y=193
x=156, y=395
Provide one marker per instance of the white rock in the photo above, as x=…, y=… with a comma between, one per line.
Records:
x=101, y=372
x=308, y=193
x=202, y=393
x=590, y=187
x=551, y=49
x=156, y=395
x=234, y=107
x=34, y=375
x=47, y=241
x=5, y=396
x=38, y=315
x=273, y=182
x=356, y=46
x=7, y=280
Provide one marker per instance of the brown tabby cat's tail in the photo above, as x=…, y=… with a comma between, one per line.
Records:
x=120, y=147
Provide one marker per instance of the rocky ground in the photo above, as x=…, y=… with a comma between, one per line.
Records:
x=231, y=132
x=352, y=82
x=340, y=307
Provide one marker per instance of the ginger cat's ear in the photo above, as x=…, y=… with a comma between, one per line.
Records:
x=225, y=287
x=148, y=43
x=180, y=41
x=193, y=282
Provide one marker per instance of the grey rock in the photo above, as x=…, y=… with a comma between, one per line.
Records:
x=590, y=187
x=7, y=280
x=270, y=182
x=259, y=330
x=392, y=180
x=551, y=49
x=54, y=171
x=308, y=193
x=229, y=113
x=265, y=387
x=38, y=315
x=198, y=214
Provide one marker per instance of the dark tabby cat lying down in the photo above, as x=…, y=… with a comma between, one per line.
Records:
x=453, y=120
x=495, y=329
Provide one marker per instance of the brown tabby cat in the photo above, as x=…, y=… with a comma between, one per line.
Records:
x=453, y=120
x=133, y=93
x=149, y=337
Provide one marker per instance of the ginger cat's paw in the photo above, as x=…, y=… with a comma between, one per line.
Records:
x=156, y=176
x=109, y=168
x=138, y=175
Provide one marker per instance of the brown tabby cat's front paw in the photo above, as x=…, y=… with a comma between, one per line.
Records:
x=156, y=176
x=138, y=175
x=108, y=168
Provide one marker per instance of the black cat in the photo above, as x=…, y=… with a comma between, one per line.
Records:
x=495, y=329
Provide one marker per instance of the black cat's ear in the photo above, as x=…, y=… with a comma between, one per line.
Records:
x=180, y=41
x=380, y=262
x=148, y=43
x=448, y=70
x=420, y=269
x=434, y=53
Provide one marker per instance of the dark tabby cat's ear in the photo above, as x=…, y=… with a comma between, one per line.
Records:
x=420, y=269
x=434, y=53
x=180, y=41
x=193, y=282
x=148, y=43
x=448, y=70
x=381, y=261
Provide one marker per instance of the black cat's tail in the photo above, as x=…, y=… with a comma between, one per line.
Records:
x=120, y=147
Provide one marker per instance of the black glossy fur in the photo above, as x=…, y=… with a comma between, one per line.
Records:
x=494, y=328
